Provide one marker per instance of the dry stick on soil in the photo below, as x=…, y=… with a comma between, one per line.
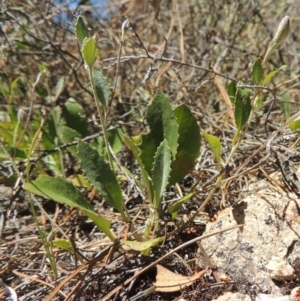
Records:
x=115, y=290
x=57, y=289
x=209, y=262
x=74, y=289
x=266, y=145
x=34, y=279
x=271, y=180
x=247, y=161
x=227, y=182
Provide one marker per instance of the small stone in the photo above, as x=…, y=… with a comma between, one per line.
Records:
x=279, y=269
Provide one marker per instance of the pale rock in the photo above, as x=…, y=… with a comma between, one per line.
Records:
x=271, y=227
x=279, y=269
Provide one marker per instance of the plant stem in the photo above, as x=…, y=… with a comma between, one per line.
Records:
x=220, y=177
x=240, y=138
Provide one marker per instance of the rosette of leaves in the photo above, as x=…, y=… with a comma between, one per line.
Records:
x=166, y=153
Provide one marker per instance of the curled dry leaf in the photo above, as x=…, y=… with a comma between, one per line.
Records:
x=167, y=281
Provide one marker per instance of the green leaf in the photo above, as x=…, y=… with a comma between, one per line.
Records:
x=102, y=87
x=81, y=28
x=115, y=139
x=137, y=140
x=70, y=135
x=143, y=246
x=231, y=90
x=13, y=85
x=59, y=86
x=145, y=176
x=13, y=114
x=215, y=145
x=79, y=180
x=286, y=107
x=259, y=101
x=163, y=125
x=63, y=244
x=17, y=132
x=90, y=51
x=161, y=171
x=242, y=107
x=294, y=121
x=6, y=132
x=101, y=176
x=257, y=72
x=53, y=161
x=270, y=75
x=188, y=144
x=294, y=125
x=280, y=36
x=176, y=206
x=66, y=245
x=62, y=191
x=52, y=128
x=74, y=116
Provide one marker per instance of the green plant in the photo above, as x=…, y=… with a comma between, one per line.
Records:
x=190, y=50
x=165, y=154
x=247, y=100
